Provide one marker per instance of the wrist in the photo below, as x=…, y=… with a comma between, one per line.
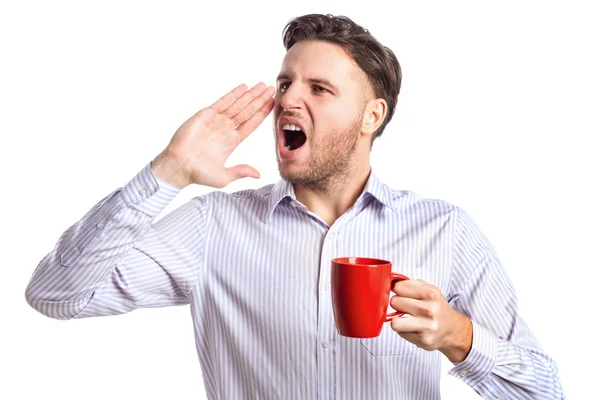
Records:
x=460, y=340
x=168, y=169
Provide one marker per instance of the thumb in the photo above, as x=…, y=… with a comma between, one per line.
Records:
x=242, y=171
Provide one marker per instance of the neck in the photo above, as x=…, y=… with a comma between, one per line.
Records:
x=333, y=196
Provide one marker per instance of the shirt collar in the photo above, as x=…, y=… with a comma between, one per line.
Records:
x=285, y=190
x=379, y=191
x=281, y=190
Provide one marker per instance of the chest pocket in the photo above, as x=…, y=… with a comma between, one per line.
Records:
x=388, y=343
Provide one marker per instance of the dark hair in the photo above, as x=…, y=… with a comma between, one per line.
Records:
x=377, y=61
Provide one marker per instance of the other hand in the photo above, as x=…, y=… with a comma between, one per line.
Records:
x=432, y=324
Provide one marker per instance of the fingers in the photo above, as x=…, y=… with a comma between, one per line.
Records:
x=420, y=331
x=241, y=171
x=413, y=306
x=251, y=108
x=255, y=120
x=229, y=99
x=409, y=325
x=416, y=289
x=246, y=108
x=242, y=102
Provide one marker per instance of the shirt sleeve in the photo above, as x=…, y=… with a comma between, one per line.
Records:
x=115, y=259
x=506, y=360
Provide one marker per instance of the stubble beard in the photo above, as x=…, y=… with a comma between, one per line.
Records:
x=332, y=162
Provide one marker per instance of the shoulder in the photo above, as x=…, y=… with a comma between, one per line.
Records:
x=409, y=202
x=426, y=210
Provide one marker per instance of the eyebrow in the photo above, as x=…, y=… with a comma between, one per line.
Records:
x=320, y=81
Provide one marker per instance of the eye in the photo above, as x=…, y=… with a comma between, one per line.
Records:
x=320, y=89
x=283, y=86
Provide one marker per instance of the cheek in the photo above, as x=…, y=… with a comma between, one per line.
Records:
x=327, y=118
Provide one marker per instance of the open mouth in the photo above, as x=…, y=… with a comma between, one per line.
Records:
x=294, y=137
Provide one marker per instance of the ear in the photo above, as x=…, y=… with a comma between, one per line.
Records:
x=373, y=116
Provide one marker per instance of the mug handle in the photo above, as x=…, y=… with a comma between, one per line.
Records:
x=395, y=278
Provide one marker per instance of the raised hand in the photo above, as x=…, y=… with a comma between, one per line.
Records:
x=200, y=147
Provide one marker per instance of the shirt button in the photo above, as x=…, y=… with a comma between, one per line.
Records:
x=99, y=225
x=143, y=192
x=327, y=343
x=464, y=373
x=326, y=287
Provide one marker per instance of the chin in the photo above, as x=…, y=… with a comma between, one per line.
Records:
x=289, y=172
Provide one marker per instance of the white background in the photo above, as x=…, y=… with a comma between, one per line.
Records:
x=498, y=114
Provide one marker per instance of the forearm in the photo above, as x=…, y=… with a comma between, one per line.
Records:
x=86, y=254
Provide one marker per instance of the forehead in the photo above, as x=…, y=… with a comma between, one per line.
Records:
x=315, y=59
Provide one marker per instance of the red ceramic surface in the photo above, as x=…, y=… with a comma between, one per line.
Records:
x=360, y=291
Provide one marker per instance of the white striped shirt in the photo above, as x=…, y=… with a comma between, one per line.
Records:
x=254, y=266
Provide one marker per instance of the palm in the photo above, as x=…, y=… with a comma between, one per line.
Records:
x=204, y=142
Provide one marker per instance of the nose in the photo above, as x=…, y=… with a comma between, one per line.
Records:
x=291, y=98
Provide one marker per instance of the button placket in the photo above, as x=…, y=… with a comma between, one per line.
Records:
x=326, y=360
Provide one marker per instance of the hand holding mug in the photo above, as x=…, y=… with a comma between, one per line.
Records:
x=433, y=323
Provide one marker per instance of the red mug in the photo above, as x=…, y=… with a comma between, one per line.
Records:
x=360, y=291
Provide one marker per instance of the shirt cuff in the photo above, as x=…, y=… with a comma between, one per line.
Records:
x=147, y=193
x=481, y=359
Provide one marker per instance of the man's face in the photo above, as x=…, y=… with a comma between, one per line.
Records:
x=321, y=96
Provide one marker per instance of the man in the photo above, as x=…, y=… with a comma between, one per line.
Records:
x=254, y=265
